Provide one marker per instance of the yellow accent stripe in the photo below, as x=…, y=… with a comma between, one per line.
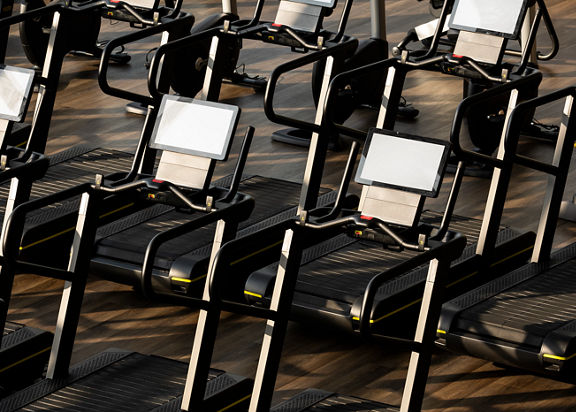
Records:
x=451, y=284
x=235, y=403
x=25, y=359
x=255, y=253
x=126, y=206
x=47, y=238
x=72, y=228
x=252, y=294
x=562, y=358
x=188, y=280
x=440, y=331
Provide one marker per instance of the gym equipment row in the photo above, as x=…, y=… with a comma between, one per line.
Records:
x=402, y=236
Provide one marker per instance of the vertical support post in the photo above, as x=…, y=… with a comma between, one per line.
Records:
x=391, y=98
x=6, y=7
x=73, y=294
x=424, y=338
x=525, y=35
x=57, y=49
x=271, y=352
x=318, y=148
x=378, y=19
x=497, y=193
x=206, y=328
x=555, y=187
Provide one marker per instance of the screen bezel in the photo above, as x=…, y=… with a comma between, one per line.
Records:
x=26, y=98
x=439, y=173
x=223, y=155
x=329, y=5
x=514, y=35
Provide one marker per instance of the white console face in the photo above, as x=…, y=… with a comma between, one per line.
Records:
x=499, y=17
x=15, y=89
x=321, y=3
x=143, y=4
x=195, y=127
x=403, y=162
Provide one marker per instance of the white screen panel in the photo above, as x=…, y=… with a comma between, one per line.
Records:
x=401, y=162
x=488, y=15
x=15, y=84
x=195, y=127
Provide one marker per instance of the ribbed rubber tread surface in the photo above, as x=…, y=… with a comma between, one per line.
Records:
x=129, y=382
x=71, y=168
x=528, y=311
x=15, y=333
x=316, y=400
x=344, y=274
x=272, y=197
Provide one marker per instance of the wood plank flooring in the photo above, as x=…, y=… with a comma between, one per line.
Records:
x=114, y=316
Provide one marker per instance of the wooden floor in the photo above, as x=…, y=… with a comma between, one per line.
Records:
x=114, y=316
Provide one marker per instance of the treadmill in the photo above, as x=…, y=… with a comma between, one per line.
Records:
x=119, y=379
x=526, y=318
x=23, y=350
x=400, y=151
x=79, y=164
x=151, y=239
x=334, y=276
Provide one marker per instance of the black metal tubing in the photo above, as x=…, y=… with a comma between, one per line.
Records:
x=469, y=155
x=19, y=18
x=129, y=38
x=340, y=80
x=242, y=158
x=36, y=167
x=515, y=124
x=239, y=209
x=348, y=45
x=449, y=250
x=170, y=47
x=17, y=216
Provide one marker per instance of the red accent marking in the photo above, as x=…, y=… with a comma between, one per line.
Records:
x=366, y=217
x=157, y=181
x=458, y=56
x=276, y=25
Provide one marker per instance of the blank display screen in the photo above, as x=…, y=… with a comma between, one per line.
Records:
x=321, y=3
x=195, y=127
x=15, y=86
x=403, y=162
x=494, y=16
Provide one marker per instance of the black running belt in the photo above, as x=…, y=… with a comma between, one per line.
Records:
x=71, y=168
x=272, y=197
x=315, y=400
x=119, y=381
x=533, y=303
x=23, y=355
x=341, y=271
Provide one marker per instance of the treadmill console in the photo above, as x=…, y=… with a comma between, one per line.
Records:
x=485, y=26
x=16, y=85
x=397, y=170
x=195, y=127
x=403, y=162
x=193, y=134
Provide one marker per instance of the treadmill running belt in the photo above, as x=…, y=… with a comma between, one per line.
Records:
x=528, y=312
x=344, y=274
x=272, y=197
x=315, y=400
x=116, y=381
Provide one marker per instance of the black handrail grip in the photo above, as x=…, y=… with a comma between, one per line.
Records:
x=19, y=18
x=120, y=41
x=347, y=46
x=21, y=210
x=169, y=47
x=451, y=249
x=469, y=155
x=241, y=201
